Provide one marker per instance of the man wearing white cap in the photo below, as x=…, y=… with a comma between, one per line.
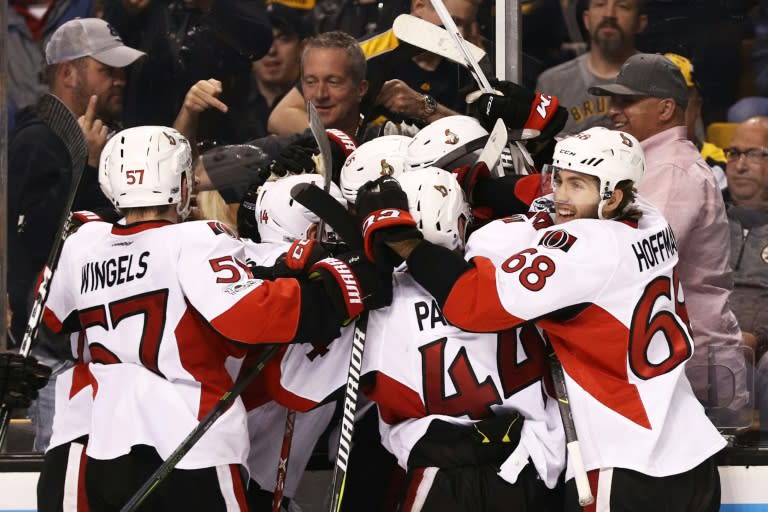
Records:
x=85, y=72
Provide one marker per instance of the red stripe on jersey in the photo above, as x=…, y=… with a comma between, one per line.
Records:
x=81, y=379
x=203, y=352
x=237, y=485
x=593, y=348
x=267, y=314
x=257, y=393
x=138, y=227
x=416, y=476
x=272, y=372
x=82, y=495
x=397, y=402
x=473, y=304
x=51, y=321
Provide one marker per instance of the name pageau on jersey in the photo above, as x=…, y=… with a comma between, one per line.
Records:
x=417, y=368
x=607, y=296
x=167, y=298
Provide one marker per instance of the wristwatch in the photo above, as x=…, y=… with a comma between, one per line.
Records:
x=430, y=106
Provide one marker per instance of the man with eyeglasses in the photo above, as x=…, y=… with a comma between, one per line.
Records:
x=648, y=98
x=747, y=175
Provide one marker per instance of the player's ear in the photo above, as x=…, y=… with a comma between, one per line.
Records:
x=610, y=209
x=363, y=88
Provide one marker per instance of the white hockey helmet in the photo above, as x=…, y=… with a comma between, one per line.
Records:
x=611, y=156
x=444, y=136
x=437, y=204
x=146, y=166
x=280, y=218
x=382, y=156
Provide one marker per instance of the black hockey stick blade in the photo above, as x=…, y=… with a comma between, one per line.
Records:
x=225, y=401
x=331, y=211
x=63, y=123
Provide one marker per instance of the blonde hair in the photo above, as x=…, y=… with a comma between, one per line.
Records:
x=212, y=206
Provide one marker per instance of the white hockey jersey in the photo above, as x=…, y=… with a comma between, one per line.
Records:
x=607, y=296
x=417, y=368
x=159, y=303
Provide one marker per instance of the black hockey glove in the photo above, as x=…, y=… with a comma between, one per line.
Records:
x=247, y=223
x=520, y=108
x=296, y=158
x=299, y=258
x=20, y=378
x=353, y=284
x=383, y=208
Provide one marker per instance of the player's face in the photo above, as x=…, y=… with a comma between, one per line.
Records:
x=281, y=65
x=106, y=82
x=636, y=115
x=747, y=175
x=327, y=82
x=576, y=196
x=612, y=24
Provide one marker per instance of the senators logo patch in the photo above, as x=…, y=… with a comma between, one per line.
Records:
x=558, y=239
x=451, y=138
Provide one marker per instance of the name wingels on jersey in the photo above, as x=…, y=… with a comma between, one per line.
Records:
x=166, y=298
x=607, y=296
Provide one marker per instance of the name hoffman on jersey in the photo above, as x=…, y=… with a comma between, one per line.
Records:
x=98, y=274
x=652, y=250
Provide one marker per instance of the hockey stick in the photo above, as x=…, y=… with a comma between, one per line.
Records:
x=225, y=401
x=345, y=224
x=461, y=45
x=317, y=128
x=318, y=131
x=331, y=211
x=572, y=441
x=432, y=38
x=63, y=123
x=491, y=153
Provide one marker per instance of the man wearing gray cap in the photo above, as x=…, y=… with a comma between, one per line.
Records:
x=85, y=72
x=648, y=100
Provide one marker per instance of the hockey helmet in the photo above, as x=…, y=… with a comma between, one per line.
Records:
x=461, y=135
x=146, y=166
x=437, y=204
x=612, y=156
x=382, y=156
x=280, y=218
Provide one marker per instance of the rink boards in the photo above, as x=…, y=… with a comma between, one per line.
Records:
x=744, y=489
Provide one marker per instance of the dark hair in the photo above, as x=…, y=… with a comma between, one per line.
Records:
x=342, y=41
x=50, y=71
x=627, y=209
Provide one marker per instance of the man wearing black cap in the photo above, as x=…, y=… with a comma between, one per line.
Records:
x=648, y=100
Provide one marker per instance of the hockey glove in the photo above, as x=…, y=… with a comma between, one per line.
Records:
x=468, y=176
x=353, y=284
x=20, y=378
x=383, y=208
x=247, y=223
x=342, y=146
x=299, y=258
x=296, y=158
x=521, y=108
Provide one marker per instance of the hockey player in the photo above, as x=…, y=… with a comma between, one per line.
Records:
x=601, y=282
x=281, y=220
x=466, y=414
x=160, y=302
x=382, y=156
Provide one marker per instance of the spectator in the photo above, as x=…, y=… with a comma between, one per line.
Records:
x=85, y=71
x=406, y=85
x=30, y=24
x=713, y=155
x=333, y=71
x=187, y=41
x=270, y=78
x=612, y=27
x=648, y=100
x=747, y=173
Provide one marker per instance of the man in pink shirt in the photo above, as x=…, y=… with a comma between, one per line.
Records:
x=648, y=100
